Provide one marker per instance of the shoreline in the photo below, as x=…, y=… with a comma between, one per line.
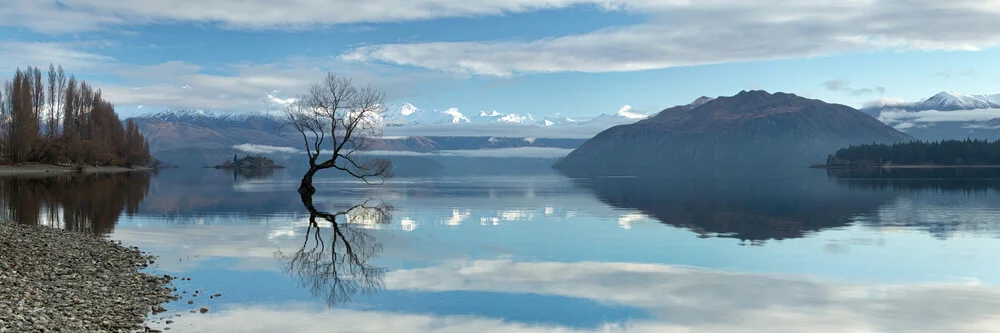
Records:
x=906, y=167
x=57, y=280
x=35, y=169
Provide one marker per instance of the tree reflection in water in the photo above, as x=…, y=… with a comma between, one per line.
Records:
x=90, y=203
x=969, y=180
x=338, y=267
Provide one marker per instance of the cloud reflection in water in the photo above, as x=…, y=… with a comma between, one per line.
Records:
x=682, y=299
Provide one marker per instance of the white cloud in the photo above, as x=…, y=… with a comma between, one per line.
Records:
x=883, y=102
x=713, y=300
x=626, y=111
x=249, y=87
x=77, y=15
x=675, y=33
x=932, y=116
x=686, y=33
x=280, y=101
x=15, y=55
x=981, y=126
x=265, y=149
x=183, y=85
x=841, y=85
x=679, y=299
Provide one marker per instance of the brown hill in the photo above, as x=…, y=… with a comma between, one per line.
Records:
x=751, y=131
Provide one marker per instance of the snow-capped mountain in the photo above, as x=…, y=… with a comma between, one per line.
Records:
x=174, y=129
x=206, y=118
x=949, y=101
x=943, y=101
x=407, y=114
x=203, y=115
x=505, y=118
x=557, y=120
x=180, y=133
x=946, y=115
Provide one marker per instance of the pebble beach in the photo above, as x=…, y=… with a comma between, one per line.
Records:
x=58, y=281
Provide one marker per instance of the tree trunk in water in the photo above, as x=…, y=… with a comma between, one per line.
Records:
x=307, y=187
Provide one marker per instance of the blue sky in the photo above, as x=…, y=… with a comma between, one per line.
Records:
x=575, y=57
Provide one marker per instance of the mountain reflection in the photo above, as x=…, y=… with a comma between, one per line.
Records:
x=749, y=209
x=338, y=267
x=90, y=203
x=969, y=180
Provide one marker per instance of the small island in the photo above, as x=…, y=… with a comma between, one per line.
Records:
x=249, y=163
x=918, y=154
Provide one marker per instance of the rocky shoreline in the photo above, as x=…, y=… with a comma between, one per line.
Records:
x=57, y=281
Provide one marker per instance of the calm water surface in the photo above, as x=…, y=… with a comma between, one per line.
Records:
x=823, y=252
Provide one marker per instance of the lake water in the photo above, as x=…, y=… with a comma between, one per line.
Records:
x=818, y=252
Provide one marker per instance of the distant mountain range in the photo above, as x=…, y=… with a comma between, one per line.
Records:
x=749, y=133
x=409, y=115
x=200, y=137
x=169, y=130
x=708, y=131
x=946, y=115
x=176, y=129
x=943, y=101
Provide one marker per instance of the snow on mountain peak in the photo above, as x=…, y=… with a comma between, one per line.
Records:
x=950, y=100
x=557, y=119
x=189, y=115
x=411, y=115
x=942, y=101
x=510, y=118
x=457, y=117
x=408, y=109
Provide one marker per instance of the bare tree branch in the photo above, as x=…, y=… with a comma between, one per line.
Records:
x=338, y=116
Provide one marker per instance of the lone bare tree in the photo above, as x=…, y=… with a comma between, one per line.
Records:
x=336, y=120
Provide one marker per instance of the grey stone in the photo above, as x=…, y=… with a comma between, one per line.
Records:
x=85, y=284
